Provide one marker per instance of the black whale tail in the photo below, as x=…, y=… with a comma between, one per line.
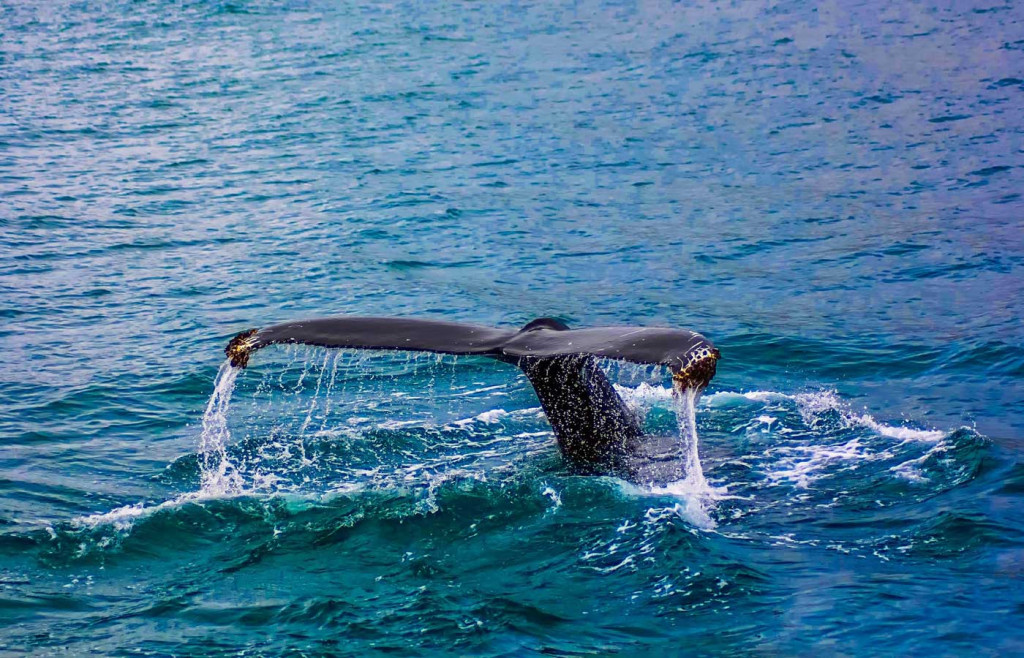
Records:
x=596, y=431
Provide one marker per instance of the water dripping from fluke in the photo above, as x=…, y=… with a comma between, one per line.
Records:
x=696, y=497
x=686, y=415
x=217, y=474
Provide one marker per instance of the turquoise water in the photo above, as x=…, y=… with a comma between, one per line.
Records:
x=831, y=193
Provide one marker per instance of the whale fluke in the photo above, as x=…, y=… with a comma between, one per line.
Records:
x=596, y=431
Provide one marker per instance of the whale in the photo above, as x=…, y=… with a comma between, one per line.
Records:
x=596, y=432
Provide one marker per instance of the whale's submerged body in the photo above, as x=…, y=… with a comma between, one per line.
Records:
x=595, y=429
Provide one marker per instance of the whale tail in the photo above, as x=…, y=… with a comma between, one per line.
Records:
x=596, y=431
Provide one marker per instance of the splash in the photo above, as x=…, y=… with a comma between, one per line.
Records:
x=218, y=474
x=314, y=430
x=686, y=414
x=831, y=437
x=695, y=494
x=694, y=497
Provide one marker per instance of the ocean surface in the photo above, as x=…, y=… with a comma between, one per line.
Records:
x=831, y=192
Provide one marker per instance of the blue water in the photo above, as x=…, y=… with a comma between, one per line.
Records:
x=831, y=193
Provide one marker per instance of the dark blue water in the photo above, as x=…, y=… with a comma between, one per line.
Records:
x=831, y=193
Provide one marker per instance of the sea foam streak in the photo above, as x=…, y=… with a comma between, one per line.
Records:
x=802, y=465
x=812, y=405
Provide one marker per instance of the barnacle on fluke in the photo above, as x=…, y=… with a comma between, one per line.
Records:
x=698, y=369
x=240, y=348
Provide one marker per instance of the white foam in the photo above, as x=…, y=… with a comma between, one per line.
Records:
x=492, y=416
x=434, y=481
x=719, y=397
x=556, y=498
x=901, y=433
x=812, y=406
x=694, y=503
x=909, y=471
x=392, y=424
x=912, y=469
x=488, y=417
x=801, y=465
x=530, y=435
x=123, y=518
x=690, y=509
x=485, y=389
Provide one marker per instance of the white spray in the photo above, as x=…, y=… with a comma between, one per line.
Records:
x=686, y=416
x=696, y=494
x=218, y=474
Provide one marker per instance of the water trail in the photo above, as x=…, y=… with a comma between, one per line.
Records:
x=314, y=403
x=330, y=391
x=686, y=415
x=696, y=494
x=218, y=474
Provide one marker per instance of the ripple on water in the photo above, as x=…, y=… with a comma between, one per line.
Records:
x=831, y=191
